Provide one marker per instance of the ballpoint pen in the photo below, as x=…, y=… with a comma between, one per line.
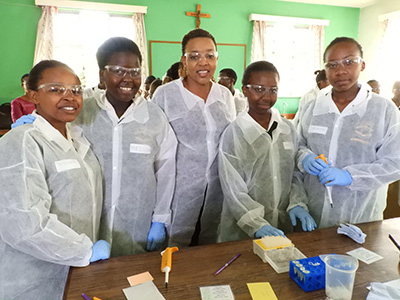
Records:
x=394, y=241
x=227, y=264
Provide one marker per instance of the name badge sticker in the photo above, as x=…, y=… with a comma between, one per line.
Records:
x=67, y=164
x=288, y=145
x=317, y=129
x=140, y=148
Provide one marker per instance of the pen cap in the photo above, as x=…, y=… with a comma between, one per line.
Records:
x=166, y=261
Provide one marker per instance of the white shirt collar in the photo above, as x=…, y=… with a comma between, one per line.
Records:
x=324, y=103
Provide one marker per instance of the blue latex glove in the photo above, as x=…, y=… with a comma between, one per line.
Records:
x=313, y=166
x=27, y=119
x=268, y=230
x=156, y=236
x=335, y=176
x=100, y=250
x=307, y=222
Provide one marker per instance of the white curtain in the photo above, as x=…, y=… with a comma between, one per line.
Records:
x=141, y=41
x=319, y=35
x=44, y=38
x=258, y=44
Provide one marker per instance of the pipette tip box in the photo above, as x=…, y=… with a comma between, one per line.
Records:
x=278, y=251
x=308, y=273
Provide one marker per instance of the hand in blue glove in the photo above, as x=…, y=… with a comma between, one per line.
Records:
x=307, y=222
x=156, y=236
x=335, y=176
x=313, y=166
x=27, y=119
x=100, y=250
x=268, y=230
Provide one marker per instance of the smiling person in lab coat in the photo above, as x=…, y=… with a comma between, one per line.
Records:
x=198, y=110
x=136, y=148
x=359, y=133
x=51, y=192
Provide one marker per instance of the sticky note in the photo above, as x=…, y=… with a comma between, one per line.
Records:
x=140, y=278
x=261, y=291
x=144, y=291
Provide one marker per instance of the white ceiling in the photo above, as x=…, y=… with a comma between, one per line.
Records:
x=347, y=3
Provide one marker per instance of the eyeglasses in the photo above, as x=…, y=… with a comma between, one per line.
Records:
x=60, y=90
x=262, y=90
x=196, y=56
x=121, y=71
x=347, y=63
x=395, y=90
x=377, y=89
x=223, y=78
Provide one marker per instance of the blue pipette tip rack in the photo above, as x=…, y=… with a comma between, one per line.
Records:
x=308, y=273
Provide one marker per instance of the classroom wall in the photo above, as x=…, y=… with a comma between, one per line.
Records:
x=370, y=35
x=166, y=21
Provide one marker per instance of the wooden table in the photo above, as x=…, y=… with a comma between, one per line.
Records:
x=4, y=131
x=194, y=267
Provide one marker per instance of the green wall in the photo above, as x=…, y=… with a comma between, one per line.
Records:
x=166, y=21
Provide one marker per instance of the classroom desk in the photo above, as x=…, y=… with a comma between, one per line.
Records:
x=194, y=267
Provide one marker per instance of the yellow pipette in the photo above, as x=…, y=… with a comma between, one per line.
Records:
x=328, y=190
x=166, y=262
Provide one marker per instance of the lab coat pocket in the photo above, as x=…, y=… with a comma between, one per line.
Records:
x=140, y=148
x=67, y=164
x=317, y=129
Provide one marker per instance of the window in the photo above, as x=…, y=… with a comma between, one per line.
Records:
x=294, y=46
x=78, y=34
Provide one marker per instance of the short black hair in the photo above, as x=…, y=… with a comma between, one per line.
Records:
x=321, y=76
x=345, y=40
x=230, y=73
x=173, y=71
x=196, y=33
x=114, y=45
x=36, y=73
x=23, y=76
x=258, y=66
x=149, y=79
x=372, y=81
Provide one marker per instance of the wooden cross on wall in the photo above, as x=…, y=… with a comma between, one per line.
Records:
x=198, y=14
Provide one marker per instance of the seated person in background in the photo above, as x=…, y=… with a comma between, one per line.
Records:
x=147, y=82
x=22, y=105
x=228, y=77
x=322, y=82
x=256, y=162
x=153, y=86
x=172, y=73
x=375, y=86
x=51, y=192
x=396, y=93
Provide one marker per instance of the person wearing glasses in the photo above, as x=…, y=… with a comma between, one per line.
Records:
x=256, y=162
x=198, y=110
x=358, y=131
x=51, y=191
x=136, y=148
x=396, y=93
x=375, y=86
x=227, y=77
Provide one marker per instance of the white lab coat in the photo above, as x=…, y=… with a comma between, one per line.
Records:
x=137, y=155
x=241, y=102
x=363, y=139
x=256, y=175
x=198, y=126
x=50, y=206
